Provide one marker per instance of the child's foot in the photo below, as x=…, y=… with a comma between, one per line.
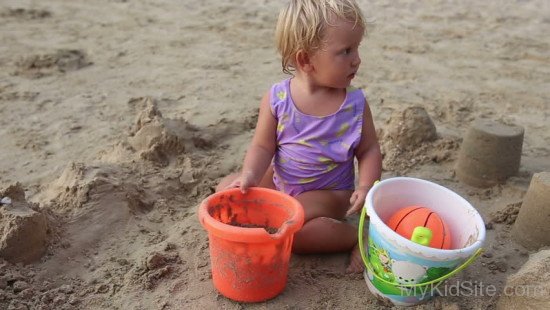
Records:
x=355, y=261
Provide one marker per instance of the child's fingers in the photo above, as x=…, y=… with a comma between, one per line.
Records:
x=348, y=213
x=233, y=184
x=353, y=198
x=240, y=184
x=245, y=184
x=352, y=210
x=353, y=203
x=356, y=206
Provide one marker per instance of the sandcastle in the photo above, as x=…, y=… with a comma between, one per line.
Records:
x=531, y=228
x=490, y=153
x=23, y=226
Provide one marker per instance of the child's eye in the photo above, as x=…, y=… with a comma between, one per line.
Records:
x=347, y=51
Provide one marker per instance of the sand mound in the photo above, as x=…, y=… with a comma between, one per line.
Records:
x=128, y=172
x=160, y=139
x=164, y=141
x=410, y=138
x=23, y=227
x=529, y=288
x=79, y=185
x=125, y=196
x=508, y=215
x=409, y=128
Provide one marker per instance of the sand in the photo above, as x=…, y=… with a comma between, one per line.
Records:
x=119, y=118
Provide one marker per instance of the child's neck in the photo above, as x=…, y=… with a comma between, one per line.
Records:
x=313, y=99
x=309, y=86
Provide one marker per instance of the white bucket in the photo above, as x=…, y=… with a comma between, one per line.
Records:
x=401, y=270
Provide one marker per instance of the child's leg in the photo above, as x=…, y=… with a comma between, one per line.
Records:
x=323, y=230
x=267, y=180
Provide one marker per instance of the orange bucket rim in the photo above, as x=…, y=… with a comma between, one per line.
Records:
x=255, y=235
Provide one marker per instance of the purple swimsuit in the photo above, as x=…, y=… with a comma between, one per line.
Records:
x=315, y=153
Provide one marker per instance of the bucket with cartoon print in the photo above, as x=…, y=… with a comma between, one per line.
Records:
x=406, y=272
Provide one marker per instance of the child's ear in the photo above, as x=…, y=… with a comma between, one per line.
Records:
x=303, y=61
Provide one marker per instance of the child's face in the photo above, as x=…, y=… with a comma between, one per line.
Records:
x=337, y=61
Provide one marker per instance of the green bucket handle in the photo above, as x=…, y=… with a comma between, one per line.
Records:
x=367, y=263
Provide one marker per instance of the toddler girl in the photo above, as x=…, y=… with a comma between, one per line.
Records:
x=312, y=126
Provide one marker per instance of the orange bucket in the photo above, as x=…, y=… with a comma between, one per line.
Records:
x=250, y=238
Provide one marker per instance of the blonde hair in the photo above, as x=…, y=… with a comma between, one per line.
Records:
x=301, y=25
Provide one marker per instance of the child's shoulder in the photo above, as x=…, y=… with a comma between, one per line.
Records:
x=356, y=92
x=282, y=84
x=280, y=91
x=354, y=89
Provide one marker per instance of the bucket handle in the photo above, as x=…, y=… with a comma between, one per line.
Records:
x=367, y=264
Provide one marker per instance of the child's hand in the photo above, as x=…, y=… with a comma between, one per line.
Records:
x=357, y=200
x=244, y=181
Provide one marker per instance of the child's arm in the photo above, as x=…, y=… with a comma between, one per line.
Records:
x=260, y=152
x=370, y=162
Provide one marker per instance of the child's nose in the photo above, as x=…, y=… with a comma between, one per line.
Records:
x=357, y=60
